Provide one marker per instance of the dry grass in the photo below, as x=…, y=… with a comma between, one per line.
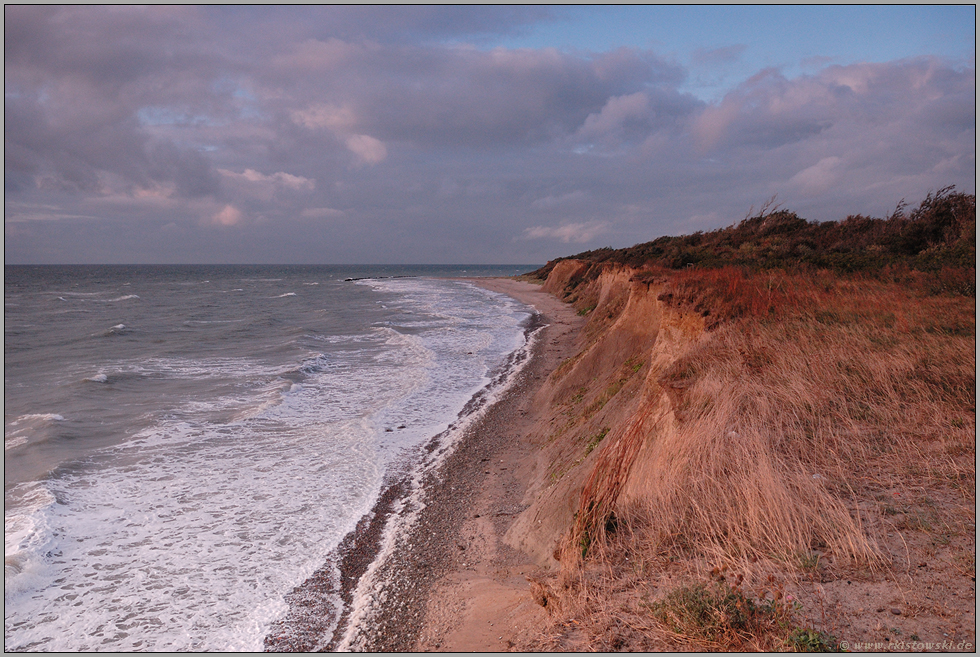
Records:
x=839, y=385
x=617, y=601
x=810, y=399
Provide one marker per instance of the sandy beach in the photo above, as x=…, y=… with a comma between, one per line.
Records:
x=453, y=584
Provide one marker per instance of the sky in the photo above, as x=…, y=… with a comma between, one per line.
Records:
x=465, y=134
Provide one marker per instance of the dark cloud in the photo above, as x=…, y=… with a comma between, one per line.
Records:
x=339, y=134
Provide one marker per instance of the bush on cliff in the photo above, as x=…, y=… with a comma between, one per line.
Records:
x=935, y=242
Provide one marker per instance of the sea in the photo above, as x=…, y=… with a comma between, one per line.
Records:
x=185, y=445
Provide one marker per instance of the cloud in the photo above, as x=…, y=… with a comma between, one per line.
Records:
x=820, y=177
x=816, y=62
x=614, y=113
x=321, y=213
x=263, y=186
x=770, y=111
x=313, y=55
x=718, y=56
x=367, y=149
x=550, y=202
x=119, y=119
x=40, y=213
x=325, y=116
x=227, y=216
x=574, y=232
x=340, y=121
x=465, y=97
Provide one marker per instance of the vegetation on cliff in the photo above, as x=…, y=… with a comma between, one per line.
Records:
x=795, y=408
x=936, y=241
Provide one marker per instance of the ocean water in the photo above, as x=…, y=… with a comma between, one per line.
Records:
x=185, y=445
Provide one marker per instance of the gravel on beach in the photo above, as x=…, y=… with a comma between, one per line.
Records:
x=429, y=549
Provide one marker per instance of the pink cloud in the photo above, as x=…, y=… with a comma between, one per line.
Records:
x=227, y=216
x=366, y=149
x=575, y=232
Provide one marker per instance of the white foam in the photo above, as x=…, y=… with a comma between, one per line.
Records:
x=98, y=378
x=9, y=441
x=24, y=536
x=34, y=417
x=197, y=541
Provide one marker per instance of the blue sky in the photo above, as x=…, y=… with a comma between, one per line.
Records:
x=465, y=134
x=746, y=39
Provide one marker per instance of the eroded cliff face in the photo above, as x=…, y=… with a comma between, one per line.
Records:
x=790, y=433
x=604, y=406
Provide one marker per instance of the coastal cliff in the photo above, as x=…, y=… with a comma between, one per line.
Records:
x=603, y=401
x=759, y=433
x=760, y=438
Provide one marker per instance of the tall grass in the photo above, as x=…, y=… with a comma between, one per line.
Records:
x=808, y=392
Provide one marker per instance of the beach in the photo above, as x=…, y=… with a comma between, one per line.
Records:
x=453, y=584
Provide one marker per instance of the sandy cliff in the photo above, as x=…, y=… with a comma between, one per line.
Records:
x=603, y=403
x=778, y=428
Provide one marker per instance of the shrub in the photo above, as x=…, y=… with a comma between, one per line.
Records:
x=722, y=617
x=938, y=235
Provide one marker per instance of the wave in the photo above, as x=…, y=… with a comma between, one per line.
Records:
x=11, y=441
x=77, y=294
x=23, y=531
x=118, y=329
x=274, y=459
x=53, y=417
x=86, y=296
x=28, y=426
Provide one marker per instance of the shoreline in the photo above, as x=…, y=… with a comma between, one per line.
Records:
x=437, y=560
x=453, y=577
x=484, y=601
x=468, y=503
